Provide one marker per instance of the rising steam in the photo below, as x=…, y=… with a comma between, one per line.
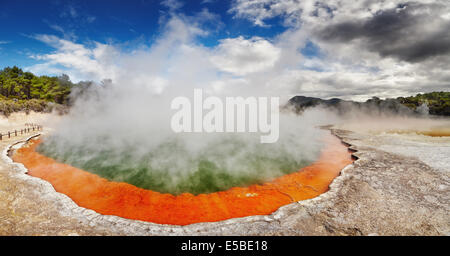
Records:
x=121, y=129
x=128, y=138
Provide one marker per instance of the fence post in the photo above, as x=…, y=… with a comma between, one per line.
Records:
x=22, y=131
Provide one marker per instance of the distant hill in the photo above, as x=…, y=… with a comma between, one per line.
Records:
x=435, y=103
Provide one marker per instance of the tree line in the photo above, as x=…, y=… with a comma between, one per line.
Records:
x=15, y=84
x=25, y=91
x=437, y=102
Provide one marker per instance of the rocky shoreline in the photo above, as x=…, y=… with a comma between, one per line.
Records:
x=381, y=193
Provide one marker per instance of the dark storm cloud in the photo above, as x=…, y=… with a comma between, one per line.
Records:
x=411, y=32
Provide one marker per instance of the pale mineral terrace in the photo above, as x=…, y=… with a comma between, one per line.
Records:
x=398, y=186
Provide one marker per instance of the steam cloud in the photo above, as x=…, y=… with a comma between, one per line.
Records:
x=121, y=129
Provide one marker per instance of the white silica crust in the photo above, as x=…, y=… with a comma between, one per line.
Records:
x=381, y=193
x=434, y=151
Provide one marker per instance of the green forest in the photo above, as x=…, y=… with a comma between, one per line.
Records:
x=437, y=102
x=24, y=91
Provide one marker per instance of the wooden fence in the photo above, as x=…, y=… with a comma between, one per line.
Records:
x=29, y=127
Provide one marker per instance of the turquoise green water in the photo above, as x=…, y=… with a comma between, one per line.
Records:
x=172, y=168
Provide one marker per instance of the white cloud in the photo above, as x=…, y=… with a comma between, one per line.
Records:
x=173, y=5
x=241, y=56
x=68, y=35
x=173, y=55
x=77, y=60
x=74, y=12
x=260, y=10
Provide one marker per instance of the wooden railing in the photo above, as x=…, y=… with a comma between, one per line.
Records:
x=29, y=127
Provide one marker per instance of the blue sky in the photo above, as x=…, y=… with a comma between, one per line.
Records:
x=323, y=48
x=106, y=21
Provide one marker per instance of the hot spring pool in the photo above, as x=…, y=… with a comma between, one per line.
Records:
x=210, y=192
x=172, y=168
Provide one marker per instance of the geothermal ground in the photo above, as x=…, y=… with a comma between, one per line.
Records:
x=399, y=185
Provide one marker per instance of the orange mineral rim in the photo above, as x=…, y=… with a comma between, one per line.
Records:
x=128, y=201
